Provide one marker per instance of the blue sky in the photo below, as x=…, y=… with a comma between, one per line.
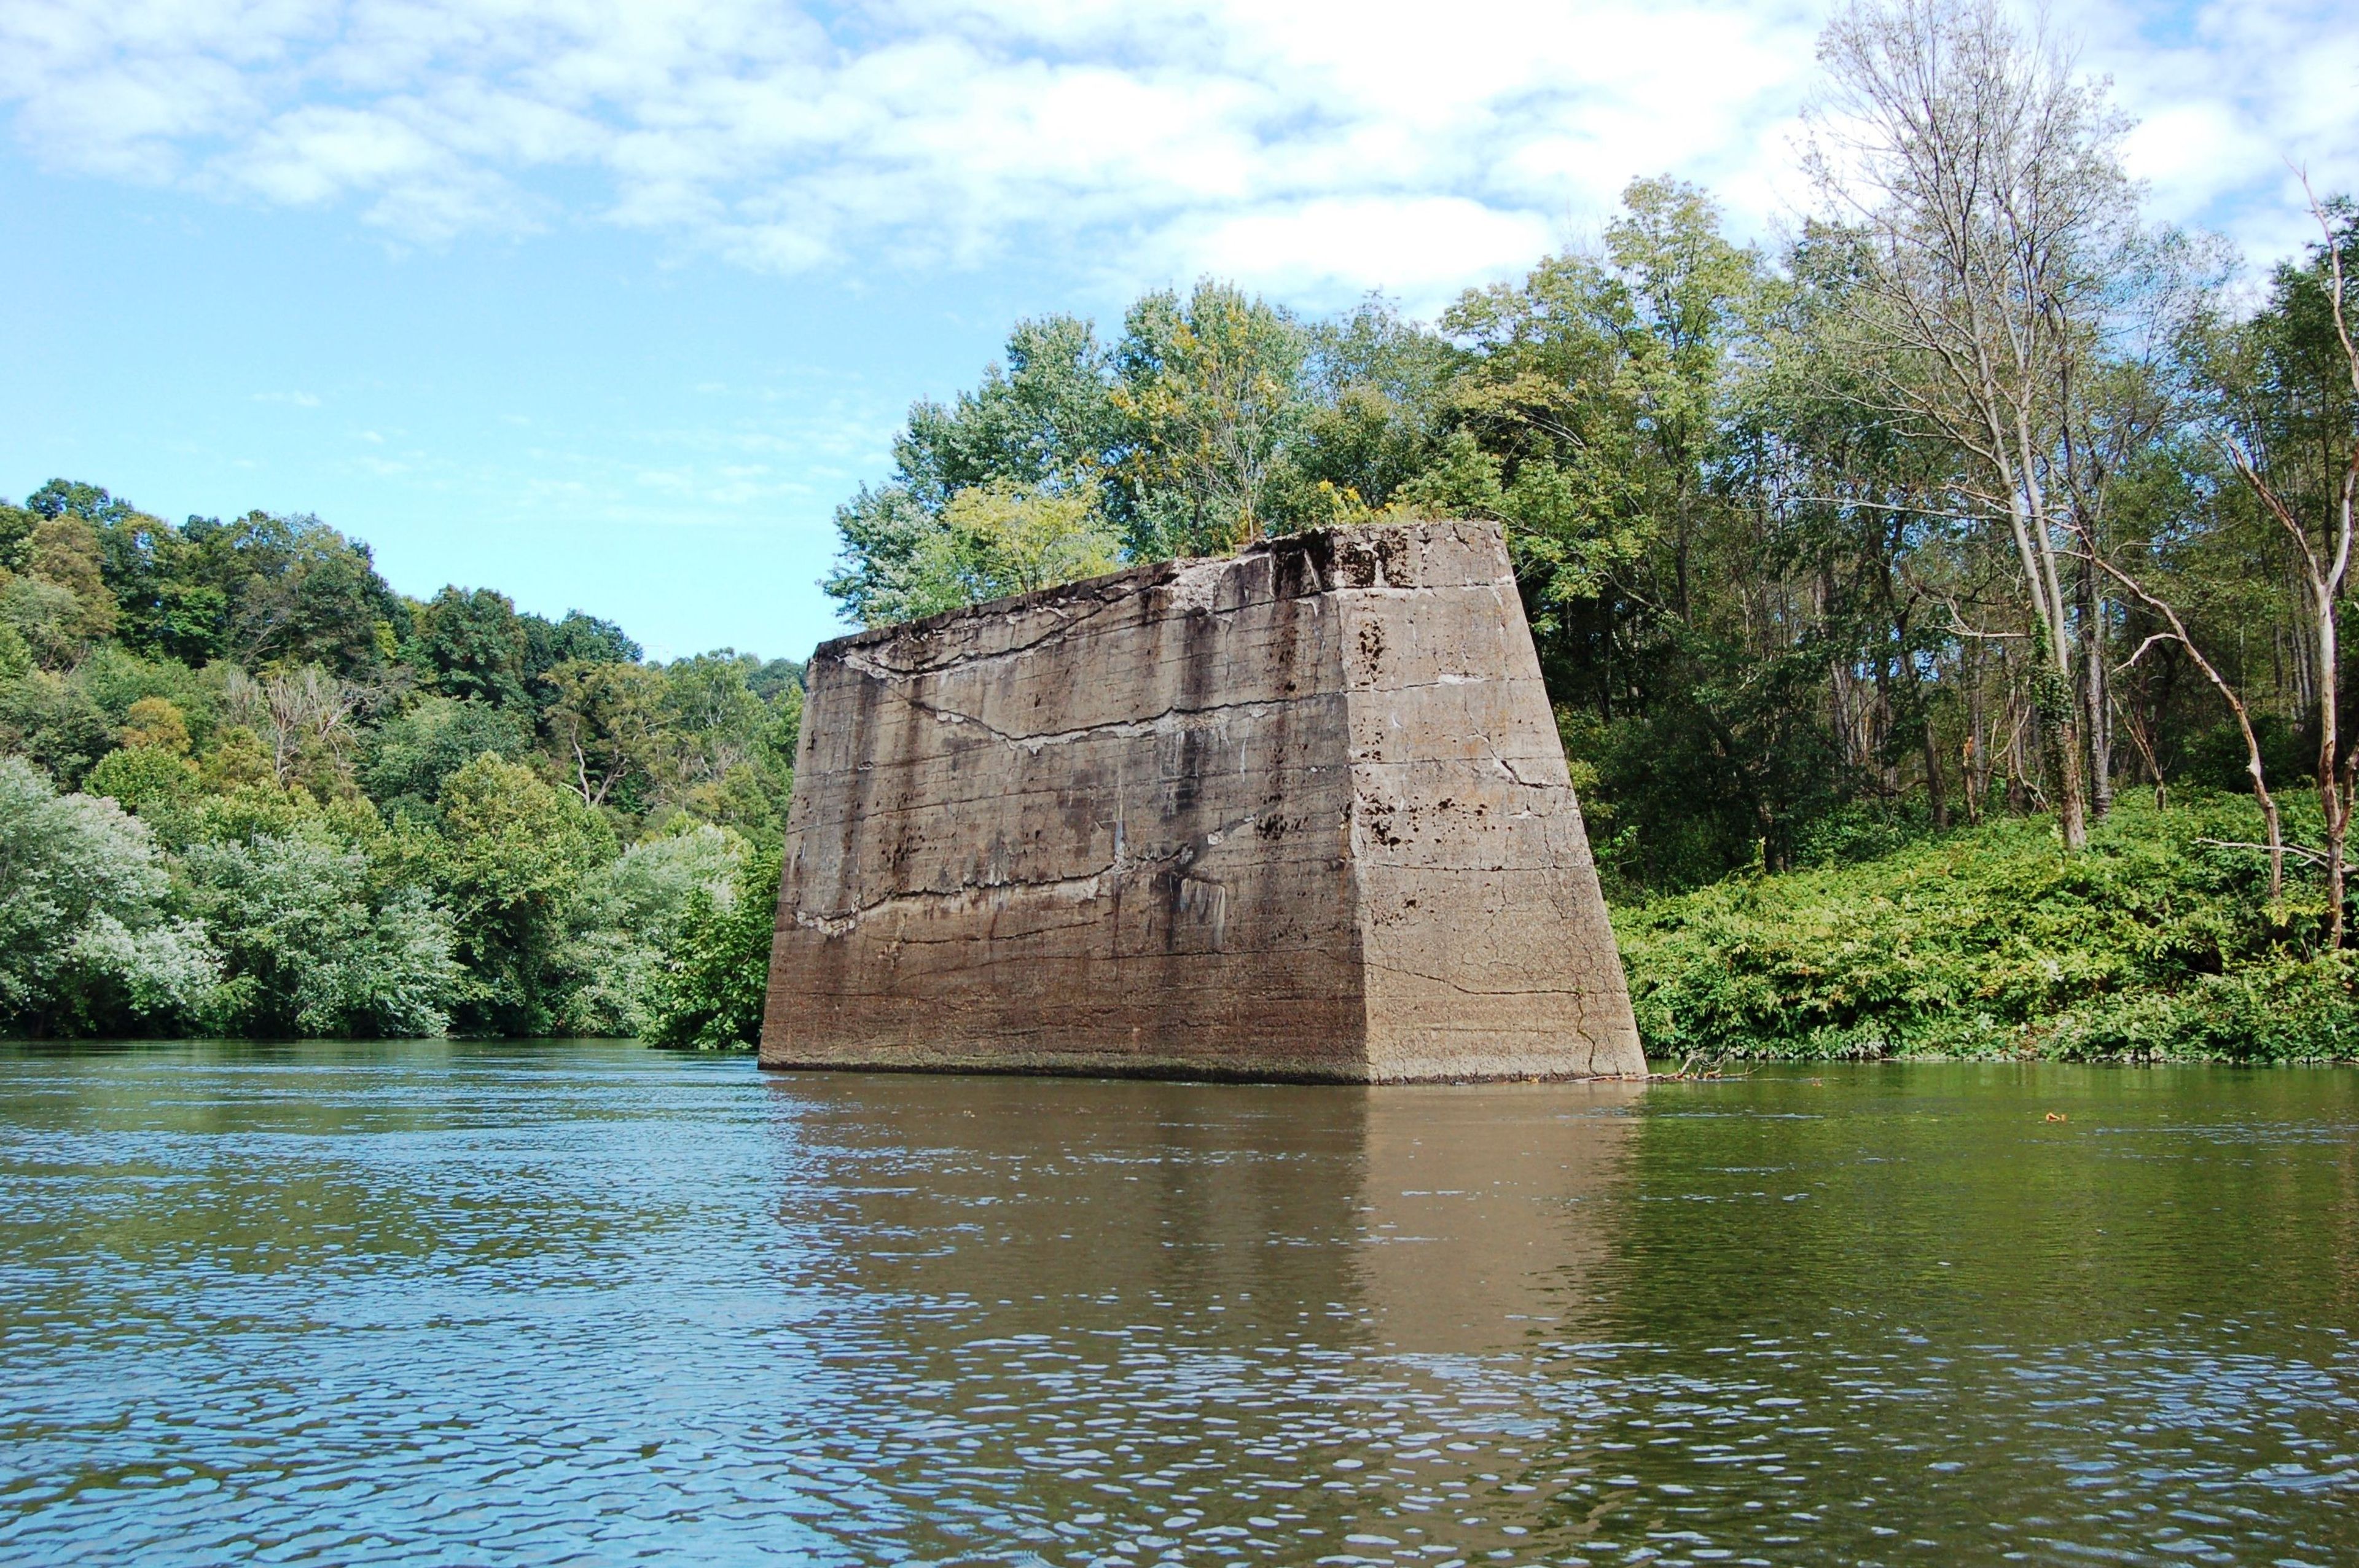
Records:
x=607, y=304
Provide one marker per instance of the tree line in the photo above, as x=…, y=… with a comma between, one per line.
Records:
x=1978, y=492
x=246, y=788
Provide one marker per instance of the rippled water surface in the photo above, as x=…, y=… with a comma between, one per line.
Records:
x=475, y=1304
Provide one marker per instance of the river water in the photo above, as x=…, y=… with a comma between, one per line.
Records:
x=584, y=1303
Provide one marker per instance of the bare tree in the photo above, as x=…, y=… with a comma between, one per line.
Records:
x=303, y=713
x=2321, y=548
x=1984, y=176
x=2179, y=633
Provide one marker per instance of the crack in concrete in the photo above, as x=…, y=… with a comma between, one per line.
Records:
x=1174, y=719
x=1061, y=627
x=1375, y=963
x=1184, y=856
x=1194, y=587
x=1508, y=768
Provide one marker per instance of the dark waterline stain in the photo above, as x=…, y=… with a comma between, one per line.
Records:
x=527, y=1302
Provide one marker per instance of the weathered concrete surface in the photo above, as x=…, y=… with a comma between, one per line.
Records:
x=1297, y=813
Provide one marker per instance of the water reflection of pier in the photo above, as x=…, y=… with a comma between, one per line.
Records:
x=1272, y=1309
x=1437, y=1217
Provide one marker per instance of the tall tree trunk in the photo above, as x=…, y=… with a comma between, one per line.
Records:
x=2022, y=745
x=2333, y=800
x=1975, y=757
x=1887, y=766
x=2056, y=676
x=2072, y=787
x=2096, y=706
x=1936, y=793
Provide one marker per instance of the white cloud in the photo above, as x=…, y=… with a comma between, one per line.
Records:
x=2228, y=95
x=1318, y=146
x=1422, y=249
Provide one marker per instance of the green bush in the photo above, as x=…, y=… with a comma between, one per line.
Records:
x=1992, y=941
x=139, y=779
x=86, y=945
x=708, y=995
x=311, y=947
x=508, y=862
x=624, y=917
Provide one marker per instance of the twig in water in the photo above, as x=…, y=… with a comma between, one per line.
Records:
x=1698, y=1069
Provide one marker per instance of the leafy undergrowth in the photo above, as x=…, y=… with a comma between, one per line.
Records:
x=1991, y=941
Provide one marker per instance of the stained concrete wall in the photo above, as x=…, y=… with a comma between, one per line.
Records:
x=1300, y=813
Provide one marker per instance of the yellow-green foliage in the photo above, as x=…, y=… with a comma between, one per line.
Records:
x=1992, y=941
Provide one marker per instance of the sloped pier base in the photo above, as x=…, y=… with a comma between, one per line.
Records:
x=1297, y=813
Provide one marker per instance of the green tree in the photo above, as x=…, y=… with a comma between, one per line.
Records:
x=86, y=945
x=47, y=618
x=1044, y=422
x=711, y=716
x=52, y=720
x=775, y=678
x=1000, y=539
x=578, y=638
x=261, y=590
x=72, y=498
x=312, y=946
x=605, y=723
x=65, y=552
x=141, y=778
x=1046, y=418
x=627, y=912
x=508, y=861
x=709, y=994
x=1209, y=391
x=16, y=525
x=156, y=724
x=882, y=531
x=471, y=643
x=119, y=680
x=404, y=761
x=1376, y=388
x=728, y=755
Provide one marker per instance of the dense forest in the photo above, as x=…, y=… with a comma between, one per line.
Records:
x=249, y=789
x=1979, y=505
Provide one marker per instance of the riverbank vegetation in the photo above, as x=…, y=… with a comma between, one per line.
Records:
x=2158, y=940
x=248, y=789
